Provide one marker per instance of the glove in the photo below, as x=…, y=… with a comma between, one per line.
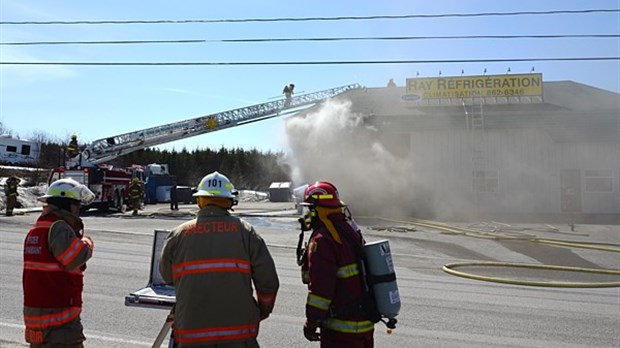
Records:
x=89, y=242
x=311, y=330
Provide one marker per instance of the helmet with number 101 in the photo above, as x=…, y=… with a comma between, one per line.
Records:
x=216, y=185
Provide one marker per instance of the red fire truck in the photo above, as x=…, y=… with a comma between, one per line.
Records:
x=109, y=184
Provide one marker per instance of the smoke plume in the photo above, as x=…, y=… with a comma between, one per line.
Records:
x=335, y=145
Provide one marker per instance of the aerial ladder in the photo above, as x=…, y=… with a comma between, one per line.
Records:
x=106, y=149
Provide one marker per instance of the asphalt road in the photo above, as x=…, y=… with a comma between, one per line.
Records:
x=438, y=309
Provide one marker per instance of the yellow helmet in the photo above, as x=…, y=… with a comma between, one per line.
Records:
x=73, y=136
x=70, y=189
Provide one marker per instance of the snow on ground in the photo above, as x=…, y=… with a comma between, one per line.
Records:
x=252, y=196
x=28, y=196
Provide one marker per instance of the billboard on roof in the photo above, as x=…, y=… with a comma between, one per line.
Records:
x=482, y=86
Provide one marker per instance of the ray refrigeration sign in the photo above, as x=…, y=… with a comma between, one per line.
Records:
x=486, y=86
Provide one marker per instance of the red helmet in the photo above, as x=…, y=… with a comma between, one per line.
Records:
x=324, y=194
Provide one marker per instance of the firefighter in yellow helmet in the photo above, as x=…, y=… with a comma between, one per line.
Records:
x=55, y=255
x=136, y=192
x=213, y=261
x=73, y=149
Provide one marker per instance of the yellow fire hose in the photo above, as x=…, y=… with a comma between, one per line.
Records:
x=451, y=267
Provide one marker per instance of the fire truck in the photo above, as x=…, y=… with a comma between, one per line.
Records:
x=111, y=184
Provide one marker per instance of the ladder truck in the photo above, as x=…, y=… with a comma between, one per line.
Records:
x=111, y=185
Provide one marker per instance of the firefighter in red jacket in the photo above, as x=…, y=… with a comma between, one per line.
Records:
x=212, y=261
x=331, y=271
x=55, y=255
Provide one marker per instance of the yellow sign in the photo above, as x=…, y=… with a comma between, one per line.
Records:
x=517, y=85
x=211, y=123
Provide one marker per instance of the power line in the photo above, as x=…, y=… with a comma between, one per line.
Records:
x=386, y=38
x=307, y=19
x=350, y=62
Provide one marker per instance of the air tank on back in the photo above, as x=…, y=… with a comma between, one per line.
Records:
x=381, y=268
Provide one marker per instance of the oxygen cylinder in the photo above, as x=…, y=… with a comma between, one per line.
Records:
x=381, y=268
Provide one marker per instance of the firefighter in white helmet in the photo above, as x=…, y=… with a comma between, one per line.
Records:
x=55, y=255
x=212, y=261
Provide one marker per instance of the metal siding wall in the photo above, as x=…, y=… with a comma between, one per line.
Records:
x=528, y=163
x=594, y=156
x=522, y=158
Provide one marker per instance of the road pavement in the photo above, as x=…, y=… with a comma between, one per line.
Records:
x=438, y=309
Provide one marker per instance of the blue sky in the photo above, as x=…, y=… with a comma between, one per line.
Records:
x=101, y=101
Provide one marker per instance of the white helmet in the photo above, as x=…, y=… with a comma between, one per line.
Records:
x=69, y=188
x=216, y=185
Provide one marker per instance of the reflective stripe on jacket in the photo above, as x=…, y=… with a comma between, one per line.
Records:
x=45, y=321
x=53, y=270
x=334, y=286
x=213, y=262
x=135, y=191
x=11, y=187
x=47, y=281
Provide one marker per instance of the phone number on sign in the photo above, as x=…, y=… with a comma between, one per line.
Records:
x=505, y=92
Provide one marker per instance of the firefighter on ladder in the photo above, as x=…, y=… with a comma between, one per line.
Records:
x=330, y=269
x=55, y=255
x=212, y=261
x=288, y=93
x=73, y=149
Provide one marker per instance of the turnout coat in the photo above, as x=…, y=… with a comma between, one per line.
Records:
x=215, y=263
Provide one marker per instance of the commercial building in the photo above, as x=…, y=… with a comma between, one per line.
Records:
x=505, y=145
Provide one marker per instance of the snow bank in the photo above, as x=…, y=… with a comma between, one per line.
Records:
x=27, y=196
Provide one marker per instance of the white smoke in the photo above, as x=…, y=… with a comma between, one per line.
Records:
x=335, y=145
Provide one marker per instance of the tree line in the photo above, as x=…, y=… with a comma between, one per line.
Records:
x=246, y=169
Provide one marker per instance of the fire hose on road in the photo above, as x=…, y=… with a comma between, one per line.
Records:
x=451, y=268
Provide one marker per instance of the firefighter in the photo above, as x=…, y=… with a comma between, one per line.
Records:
x=212, y=261
x=10, y=190
x=135, y=195
x=288, y=93
x=55, y=255
x=73, y=149
x=174, y=195
x=331, y=270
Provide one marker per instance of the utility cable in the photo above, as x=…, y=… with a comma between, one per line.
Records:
x=345, y=62
x=321, y=39
x=308, y=19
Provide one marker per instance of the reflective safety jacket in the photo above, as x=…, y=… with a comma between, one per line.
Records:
x=333, y=277
x=212, y=261
x=135, y=191
x=54, y=260
x=10, y=188
x=73, y=149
